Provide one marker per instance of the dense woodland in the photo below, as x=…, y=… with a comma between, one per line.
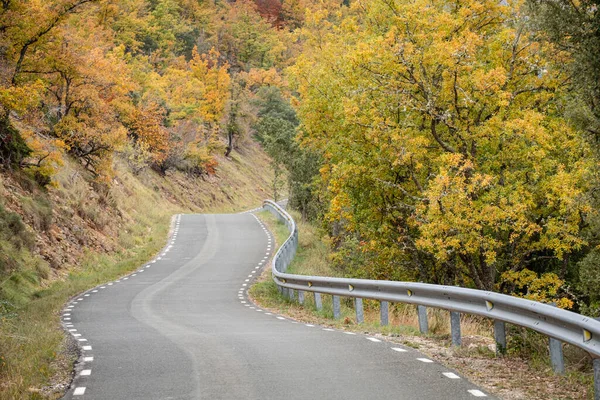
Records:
x=452, y=142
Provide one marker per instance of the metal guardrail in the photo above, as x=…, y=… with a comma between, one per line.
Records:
x=559, y=325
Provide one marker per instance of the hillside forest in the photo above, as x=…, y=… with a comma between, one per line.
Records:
x=451, y=142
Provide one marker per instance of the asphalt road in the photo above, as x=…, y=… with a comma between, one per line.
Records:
x=181, y=327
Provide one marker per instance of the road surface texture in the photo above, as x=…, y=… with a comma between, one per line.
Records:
x=181, y=327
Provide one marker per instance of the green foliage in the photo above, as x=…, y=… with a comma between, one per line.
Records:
x=276, y=129
x=589, y=283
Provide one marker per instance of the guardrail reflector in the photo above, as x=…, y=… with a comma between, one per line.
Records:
x=350, y=287
x=489, y=305
x=587, y=335
x=409, y=292
x=282, y=280
x=309, y=284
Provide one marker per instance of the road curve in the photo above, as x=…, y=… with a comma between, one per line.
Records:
x=181, y=327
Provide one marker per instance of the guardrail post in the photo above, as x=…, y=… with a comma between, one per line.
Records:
x=384, y=309
x=596, y=363
x=336, y=307
x=318, y=302
x=301, y=296
x=455, y=328
x=500, y=337
x=358, y=305
x=556, y=353
x=556, y=356
x=285, y=292
x=423, y=325
x=291, y=294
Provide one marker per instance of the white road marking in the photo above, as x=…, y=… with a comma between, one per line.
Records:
x=67, y=319
x=94, y=291
x=243, y=302
x=250, y=276
x=79, y=391
x=86, y=347
x=268, y=313
x=399, y=349
x=244, y=284
x=86, y=295
x=88, y=359
x=125, y=279
x=280, y=318
x=329, y=329
x=79, y=299
x=246, y=305
x=425, y=360
x=141, y=270
x=372, y=339
x=86, y=372
x=247, y=280
x=110, y=284
x=309, y=325
x=134, y=275
x=258, y=310
x=66, y=315
x=450, y=375
x=82, y=340
x=252, y=308
x=350, y=333
x=477, y=393
x=72, y=330
x=102, y=287
x=77, y=334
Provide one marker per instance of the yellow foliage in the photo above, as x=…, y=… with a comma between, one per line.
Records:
x=529, y=285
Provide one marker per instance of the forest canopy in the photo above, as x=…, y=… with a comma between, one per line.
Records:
x=452, y=142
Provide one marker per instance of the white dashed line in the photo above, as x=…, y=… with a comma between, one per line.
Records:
x=86, y=372
x=86, y=347
x=82, y=340
x=86, y=295
x=281, y=318
x=79, y=299
x=72, y=330
x=372, y=339
x=67, y=319
x=76, y=334
x=329, y=330
x=88, y=359
x=399, y=349
x=94, y=291
x=268, y=313
x=477, y=393
x=244, y=284
x=102, y=287
x=450, y=375
x=79, y=391
x=425, y=360
x=350, y=333
x=243, y=302
x=309, y=325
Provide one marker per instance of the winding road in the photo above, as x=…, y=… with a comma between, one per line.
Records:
x=182, y=327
